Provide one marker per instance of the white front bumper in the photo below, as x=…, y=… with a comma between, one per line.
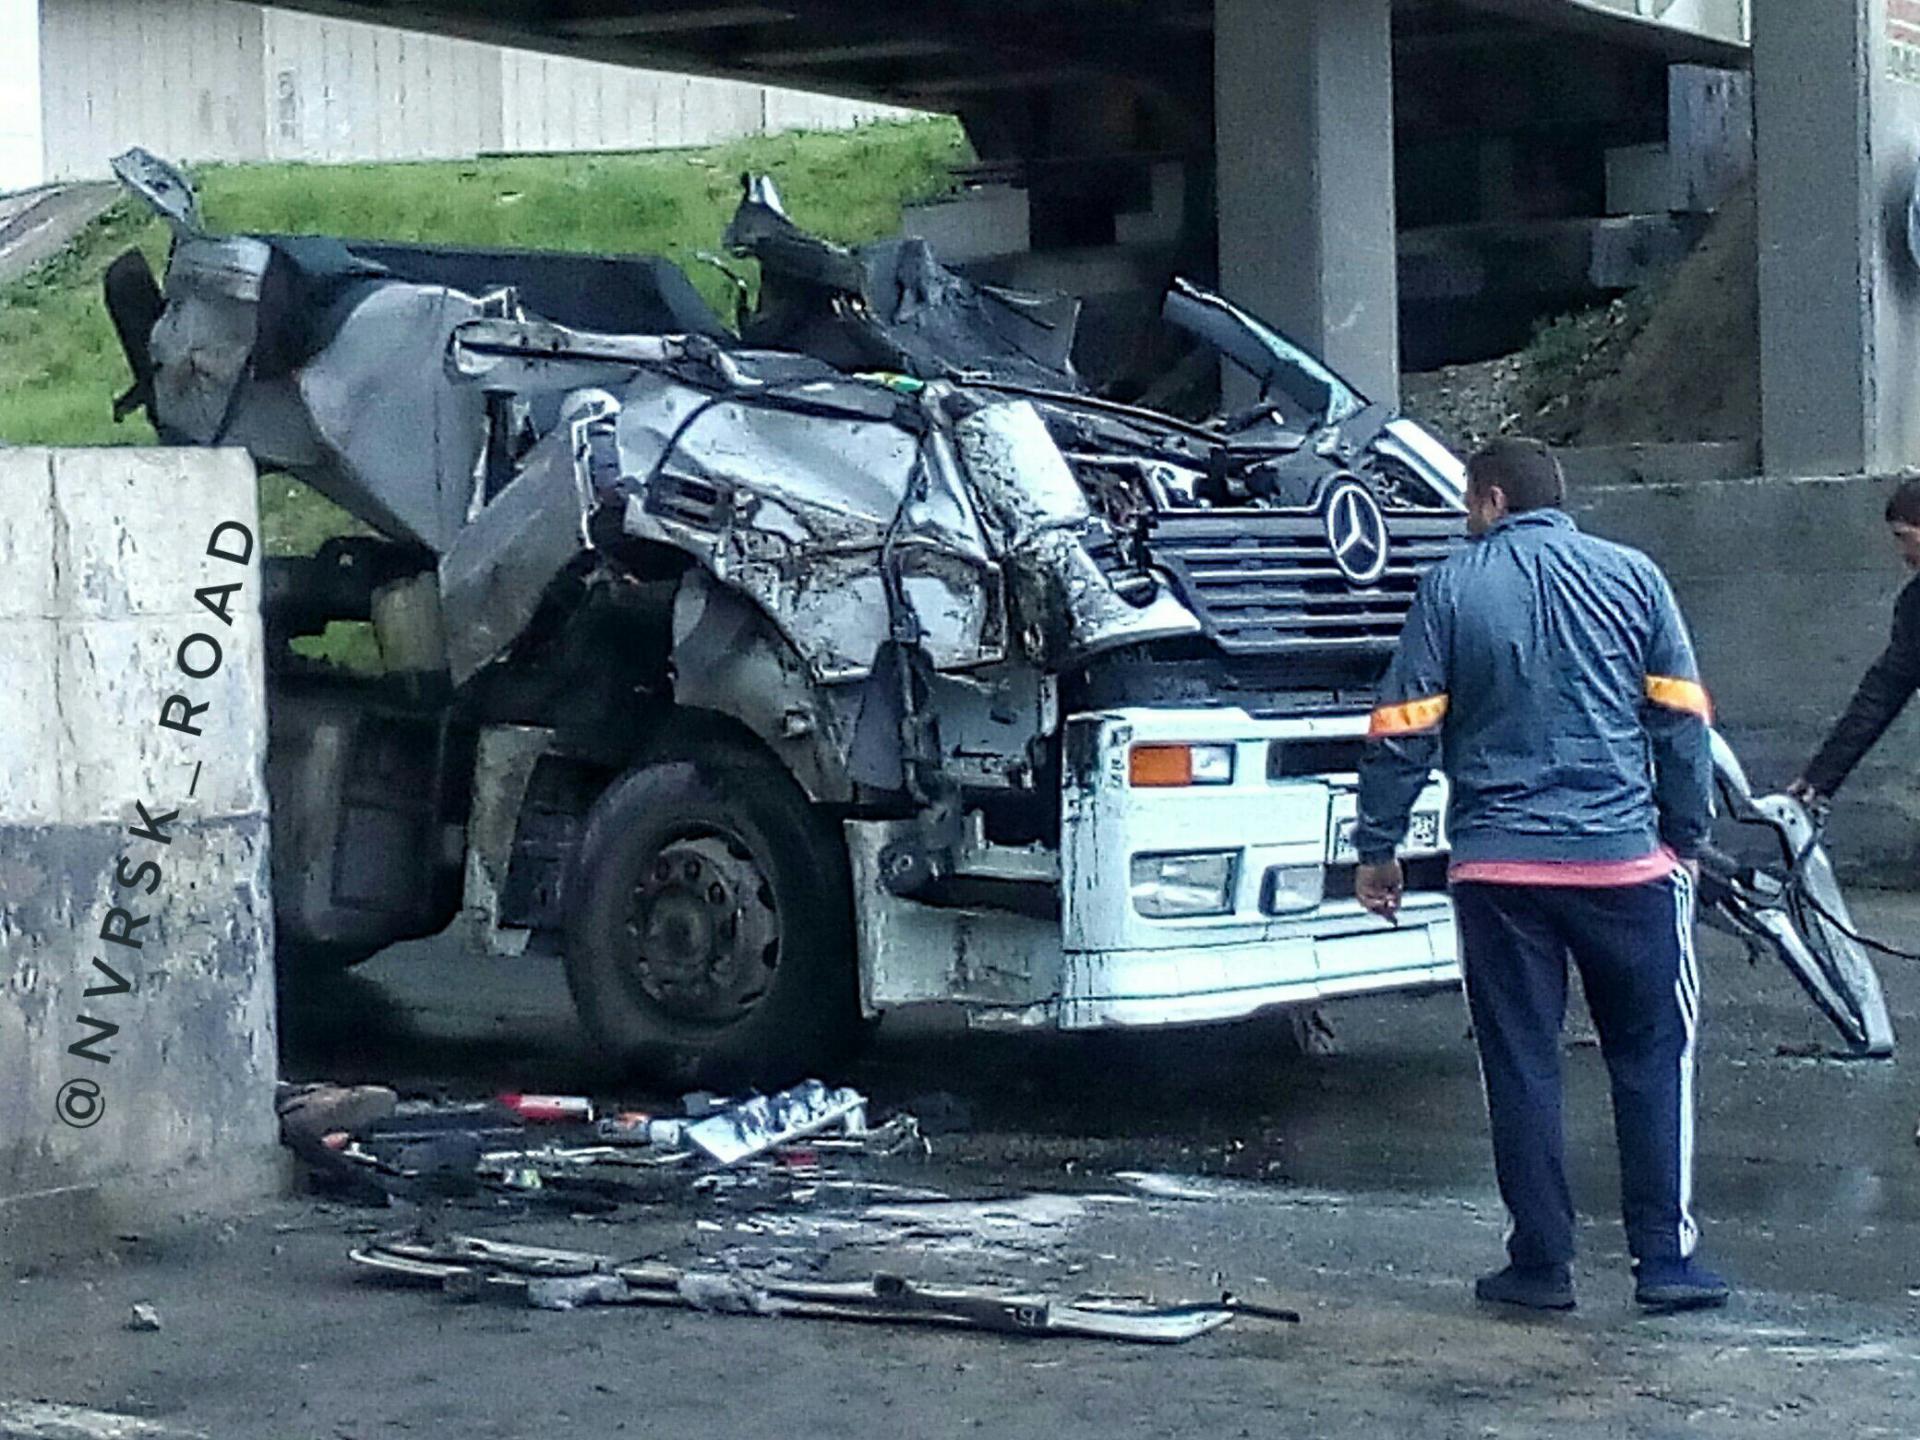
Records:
x=1103, y=963
x=1124, y=968
x=1347, y=952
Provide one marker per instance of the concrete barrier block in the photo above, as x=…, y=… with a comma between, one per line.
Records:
x=115, y=678
x=26, y=534
x=133, y=527
x=30, y=758
x=137, y=1039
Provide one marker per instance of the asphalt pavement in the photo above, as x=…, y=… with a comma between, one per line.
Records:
x=1353, y=1185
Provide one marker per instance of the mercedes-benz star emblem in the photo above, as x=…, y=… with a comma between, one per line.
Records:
x=1356, y=533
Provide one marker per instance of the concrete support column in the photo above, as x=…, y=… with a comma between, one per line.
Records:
x=137, y=1055
x=1303, y=126
x=1837, y=125
x=1811, y=117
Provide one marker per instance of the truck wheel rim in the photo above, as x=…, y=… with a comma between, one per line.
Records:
x=703, y=929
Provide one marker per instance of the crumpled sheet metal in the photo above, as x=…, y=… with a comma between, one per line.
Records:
x=494, y=575
x=402, y=439
x=465, y=1267
x=757, y=1124
x=795, y=510
x=1067, y=608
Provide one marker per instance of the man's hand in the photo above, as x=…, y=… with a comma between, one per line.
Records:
x=1802, y=791
x=1380, y=888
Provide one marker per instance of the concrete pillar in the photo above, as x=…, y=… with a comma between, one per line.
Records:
x=1837, y=129
x=1303, y=126
x=137, y=1046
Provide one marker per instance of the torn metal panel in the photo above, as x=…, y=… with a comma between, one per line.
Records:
x=915, y=953
x=1068, y=608
x=1797, y=912
x=494, y=575
x=1316, y=397
x=204, y=339
x=728, y=658
x=562, y=1280
x=400, y=440
x=891, y=306
x=166, y=190
x=523, y=356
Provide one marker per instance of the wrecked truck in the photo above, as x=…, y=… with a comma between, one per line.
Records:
x=781, y=674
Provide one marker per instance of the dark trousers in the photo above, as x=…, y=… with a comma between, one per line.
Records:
x=1634, y=947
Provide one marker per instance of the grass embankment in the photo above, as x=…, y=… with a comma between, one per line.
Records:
x=60, y=365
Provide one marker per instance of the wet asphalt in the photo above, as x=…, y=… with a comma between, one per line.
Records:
x=1807, y=1170
x=1353, y=1185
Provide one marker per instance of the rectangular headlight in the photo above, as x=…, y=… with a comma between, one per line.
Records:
x=1169, y=887
x=1175, y=766
x=1290, y=888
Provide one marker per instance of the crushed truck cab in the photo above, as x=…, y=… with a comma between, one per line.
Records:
x=848, y=656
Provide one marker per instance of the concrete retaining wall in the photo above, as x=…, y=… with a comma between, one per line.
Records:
x=216, y=80
x=1789, y=587
x=137, y=1045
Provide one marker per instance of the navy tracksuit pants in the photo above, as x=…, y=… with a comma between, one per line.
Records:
x=1634, y=947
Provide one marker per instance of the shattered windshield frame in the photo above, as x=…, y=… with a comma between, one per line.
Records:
x=1323, y=398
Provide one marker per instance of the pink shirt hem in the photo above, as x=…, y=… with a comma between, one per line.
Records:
x=1575, y=874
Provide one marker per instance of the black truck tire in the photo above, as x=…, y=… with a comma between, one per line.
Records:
x=709, y=925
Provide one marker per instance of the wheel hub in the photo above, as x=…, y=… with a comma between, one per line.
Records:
x=704, y=929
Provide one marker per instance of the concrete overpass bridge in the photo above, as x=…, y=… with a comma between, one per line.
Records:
x=1277, y=146
x=930, y=53
x=1344, y=166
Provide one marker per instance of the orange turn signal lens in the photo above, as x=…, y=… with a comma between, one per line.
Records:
x=1160, y=766
x=1167, y=767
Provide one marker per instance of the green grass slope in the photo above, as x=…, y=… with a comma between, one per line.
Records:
x=60, y=365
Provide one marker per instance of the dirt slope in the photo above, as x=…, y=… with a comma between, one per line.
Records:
x=1677, y=362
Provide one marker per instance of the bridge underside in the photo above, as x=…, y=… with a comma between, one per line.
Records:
x=938, y=53
x=1323, y=160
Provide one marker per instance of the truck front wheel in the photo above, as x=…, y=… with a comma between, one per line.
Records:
x=709, y=926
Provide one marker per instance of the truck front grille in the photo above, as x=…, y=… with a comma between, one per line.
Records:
x=1264, y=582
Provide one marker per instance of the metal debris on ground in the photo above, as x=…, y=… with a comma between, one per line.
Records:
x=143, y=1317
x=360, y=1144
x=761, y=1122
x=467, y=1266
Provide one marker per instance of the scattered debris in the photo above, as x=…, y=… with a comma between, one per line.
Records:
x=549, y=1109
x=569, y=1292
x=560, y=1279
x=360, y=1145
x=941, y=1112
x=143, y=1317
x=757, y=1125
x=633, y=1127
x=312, y=1112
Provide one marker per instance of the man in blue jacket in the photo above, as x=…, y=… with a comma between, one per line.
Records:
x=1550, y=675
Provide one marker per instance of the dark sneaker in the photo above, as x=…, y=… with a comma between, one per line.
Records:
x=1544, y=1287
x=1666, y=1286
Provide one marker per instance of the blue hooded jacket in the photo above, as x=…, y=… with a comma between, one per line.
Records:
x=1550, y=675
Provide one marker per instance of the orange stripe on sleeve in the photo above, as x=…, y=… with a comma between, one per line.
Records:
x=1410, y=718
x=1674, y=694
